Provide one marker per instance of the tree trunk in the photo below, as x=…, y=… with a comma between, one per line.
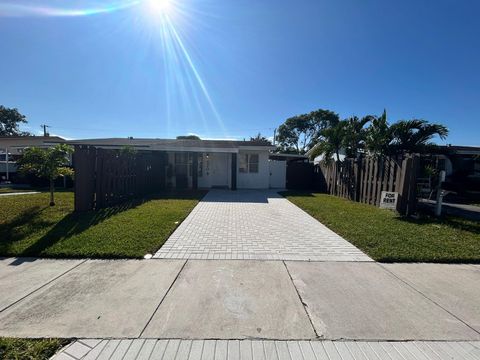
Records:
x=52, y=189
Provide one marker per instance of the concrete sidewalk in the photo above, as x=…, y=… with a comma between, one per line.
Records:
x=274, y=300
x=141, y=349
x=20, y=193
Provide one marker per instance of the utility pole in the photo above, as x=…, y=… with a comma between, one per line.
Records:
x=45, y=133
x=274, y=136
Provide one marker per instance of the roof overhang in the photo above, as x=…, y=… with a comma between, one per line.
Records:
x=233, y=150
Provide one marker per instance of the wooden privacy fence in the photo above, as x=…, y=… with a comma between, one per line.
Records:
x=299, y=175
x=105, y=177
x=364, y=179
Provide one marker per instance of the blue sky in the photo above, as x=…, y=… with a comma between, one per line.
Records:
x=231, y=69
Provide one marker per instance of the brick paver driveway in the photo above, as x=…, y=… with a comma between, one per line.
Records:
x=255, y=224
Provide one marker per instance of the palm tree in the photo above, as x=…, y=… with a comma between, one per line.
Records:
x=378, y=136
x=333, y=139
x=414, y=136
x=355, y=135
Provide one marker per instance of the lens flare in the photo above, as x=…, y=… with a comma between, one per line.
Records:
x=160, y=21
x=20, y=10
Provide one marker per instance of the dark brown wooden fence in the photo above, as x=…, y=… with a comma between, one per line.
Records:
x=108, y=177
x=299, y=175
x=363, y=180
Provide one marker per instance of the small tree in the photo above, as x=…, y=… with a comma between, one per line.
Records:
x=47, y=163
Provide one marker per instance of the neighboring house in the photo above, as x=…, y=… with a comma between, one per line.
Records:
x=12, y=147
x=462, y=168
x=208, y=163
x=318, y=159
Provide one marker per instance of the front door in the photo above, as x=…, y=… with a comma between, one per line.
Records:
x=219, y=170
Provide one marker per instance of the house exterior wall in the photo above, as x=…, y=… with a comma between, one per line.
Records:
x=259, y=180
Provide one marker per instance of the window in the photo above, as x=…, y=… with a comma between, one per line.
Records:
x=243, y=168
x=248, y=163
x=253, y=163
x=183, y=163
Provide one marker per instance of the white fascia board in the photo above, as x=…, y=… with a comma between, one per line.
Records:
x=194, y=149
x=257, y=148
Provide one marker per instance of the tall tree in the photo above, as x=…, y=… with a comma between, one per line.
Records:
x=47, y=163
x=300, y=133
x=10, y=120
x=415, y=136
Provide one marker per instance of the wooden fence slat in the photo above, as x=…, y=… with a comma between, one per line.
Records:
x=363, y=180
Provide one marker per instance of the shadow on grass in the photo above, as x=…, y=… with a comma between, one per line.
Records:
x=76, y=223
x=10, y=232
x=34, y=220
x=303, y=193
x=457, y=223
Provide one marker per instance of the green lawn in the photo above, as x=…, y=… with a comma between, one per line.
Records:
x=29, y=349
x=29, y=227
x=386, y=237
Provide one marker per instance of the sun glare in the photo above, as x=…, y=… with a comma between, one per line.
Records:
x=162, y=7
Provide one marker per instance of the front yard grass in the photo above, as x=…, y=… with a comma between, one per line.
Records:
x=386, y=237
x=30, y=349
x=29, y=227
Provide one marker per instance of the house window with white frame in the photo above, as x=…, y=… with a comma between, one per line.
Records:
x=248, y=163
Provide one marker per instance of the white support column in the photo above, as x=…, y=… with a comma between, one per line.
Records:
x=440, y=194
x=6, y=164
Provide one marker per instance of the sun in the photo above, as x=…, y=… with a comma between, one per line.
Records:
x=161, y=7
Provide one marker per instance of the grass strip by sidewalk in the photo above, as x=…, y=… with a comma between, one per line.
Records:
x=386, y=237
x=29, y=227
x=30, y=349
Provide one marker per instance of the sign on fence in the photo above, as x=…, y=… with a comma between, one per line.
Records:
x=388, y=200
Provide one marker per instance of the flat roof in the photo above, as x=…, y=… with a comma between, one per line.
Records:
x=177, y=143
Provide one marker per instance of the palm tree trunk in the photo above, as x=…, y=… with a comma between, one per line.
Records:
x=52, y=189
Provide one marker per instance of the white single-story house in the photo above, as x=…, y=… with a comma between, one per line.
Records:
x=12, y=147
x=207, y=164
